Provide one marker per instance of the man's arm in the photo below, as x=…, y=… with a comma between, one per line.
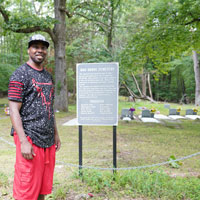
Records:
x=26, y=148
x=57, y=138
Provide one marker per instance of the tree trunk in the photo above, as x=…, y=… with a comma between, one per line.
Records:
x=110, y=28
x=137, y=85
x=149, y=84
x=197, y=78
x=61, y=100
x=21, y=52
x=144, y=81
x=133, y=95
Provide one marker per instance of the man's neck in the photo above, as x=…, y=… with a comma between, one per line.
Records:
x=35, y=65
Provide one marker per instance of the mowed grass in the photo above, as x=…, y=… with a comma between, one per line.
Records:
x=138, y=144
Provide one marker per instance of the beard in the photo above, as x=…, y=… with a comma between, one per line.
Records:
x=37, y=60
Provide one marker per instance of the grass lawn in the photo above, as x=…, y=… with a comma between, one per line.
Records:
x=138, y=144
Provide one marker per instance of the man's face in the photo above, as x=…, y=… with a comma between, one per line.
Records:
x=37, y=52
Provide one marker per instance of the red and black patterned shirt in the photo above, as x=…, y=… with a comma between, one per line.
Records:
x=34, y=89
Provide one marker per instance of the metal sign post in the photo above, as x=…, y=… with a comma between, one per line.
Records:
x=114, y=148
x=80, y=150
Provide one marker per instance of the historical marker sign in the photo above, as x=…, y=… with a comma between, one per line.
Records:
x=97, y=93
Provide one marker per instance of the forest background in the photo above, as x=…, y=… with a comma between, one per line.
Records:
x=156, y=43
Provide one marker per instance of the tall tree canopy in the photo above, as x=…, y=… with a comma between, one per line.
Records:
x=20, y=17
x=151, y=39
x=170, y=29
x=177, y=24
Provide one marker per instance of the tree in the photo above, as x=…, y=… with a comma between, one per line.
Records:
x=7, y=66
x=171, y=28
x=197, y=77
x=100, y=13
x=25, y=22
x=59, y=39
x=134, y=59
x=91, y=31
x=177, y=24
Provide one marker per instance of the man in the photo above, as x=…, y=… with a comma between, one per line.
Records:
x=31, y=95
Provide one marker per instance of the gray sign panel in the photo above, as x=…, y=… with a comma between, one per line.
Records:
x=97, y=93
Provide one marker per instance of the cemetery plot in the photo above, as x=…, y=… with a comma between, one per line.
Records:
x=175, y=114
x=192, y=114
x=148, y=116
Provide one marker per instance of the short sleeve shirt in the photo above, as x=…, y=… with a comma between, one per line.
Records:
x=34, y=89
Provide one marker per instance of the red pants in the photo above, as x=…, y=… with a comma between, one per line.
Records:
x=33, y=177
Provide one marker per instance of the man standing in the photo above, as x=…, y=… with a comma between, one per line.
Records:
x=31, y=95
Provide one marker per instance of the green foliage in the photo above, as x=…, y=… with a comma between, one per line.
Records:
x=3, y=180
x=147, y=37
x=23, y=20
x=40, y=1
x=70, y=79
x=153, y=184
x=7, y=66
x=97, y=11
x=178, y=82
x=59, y=194
x=173, y=163
x=97, y=180
x=168, y=32
x=176, y=21
x=88, y=52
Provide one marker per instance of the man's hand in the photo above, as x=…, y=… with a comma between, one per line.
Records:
x=57, y=142
x=27, y=150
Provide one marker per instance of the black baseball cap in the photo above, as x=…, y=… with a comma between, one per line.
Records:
x=38, y=38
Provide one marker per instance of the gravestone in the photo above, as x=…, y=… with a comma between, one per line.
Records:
x=3, y=105
x=190, y=112
x=126, y=113
x=167, y=106
x=147, y=113
x=173, y=112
